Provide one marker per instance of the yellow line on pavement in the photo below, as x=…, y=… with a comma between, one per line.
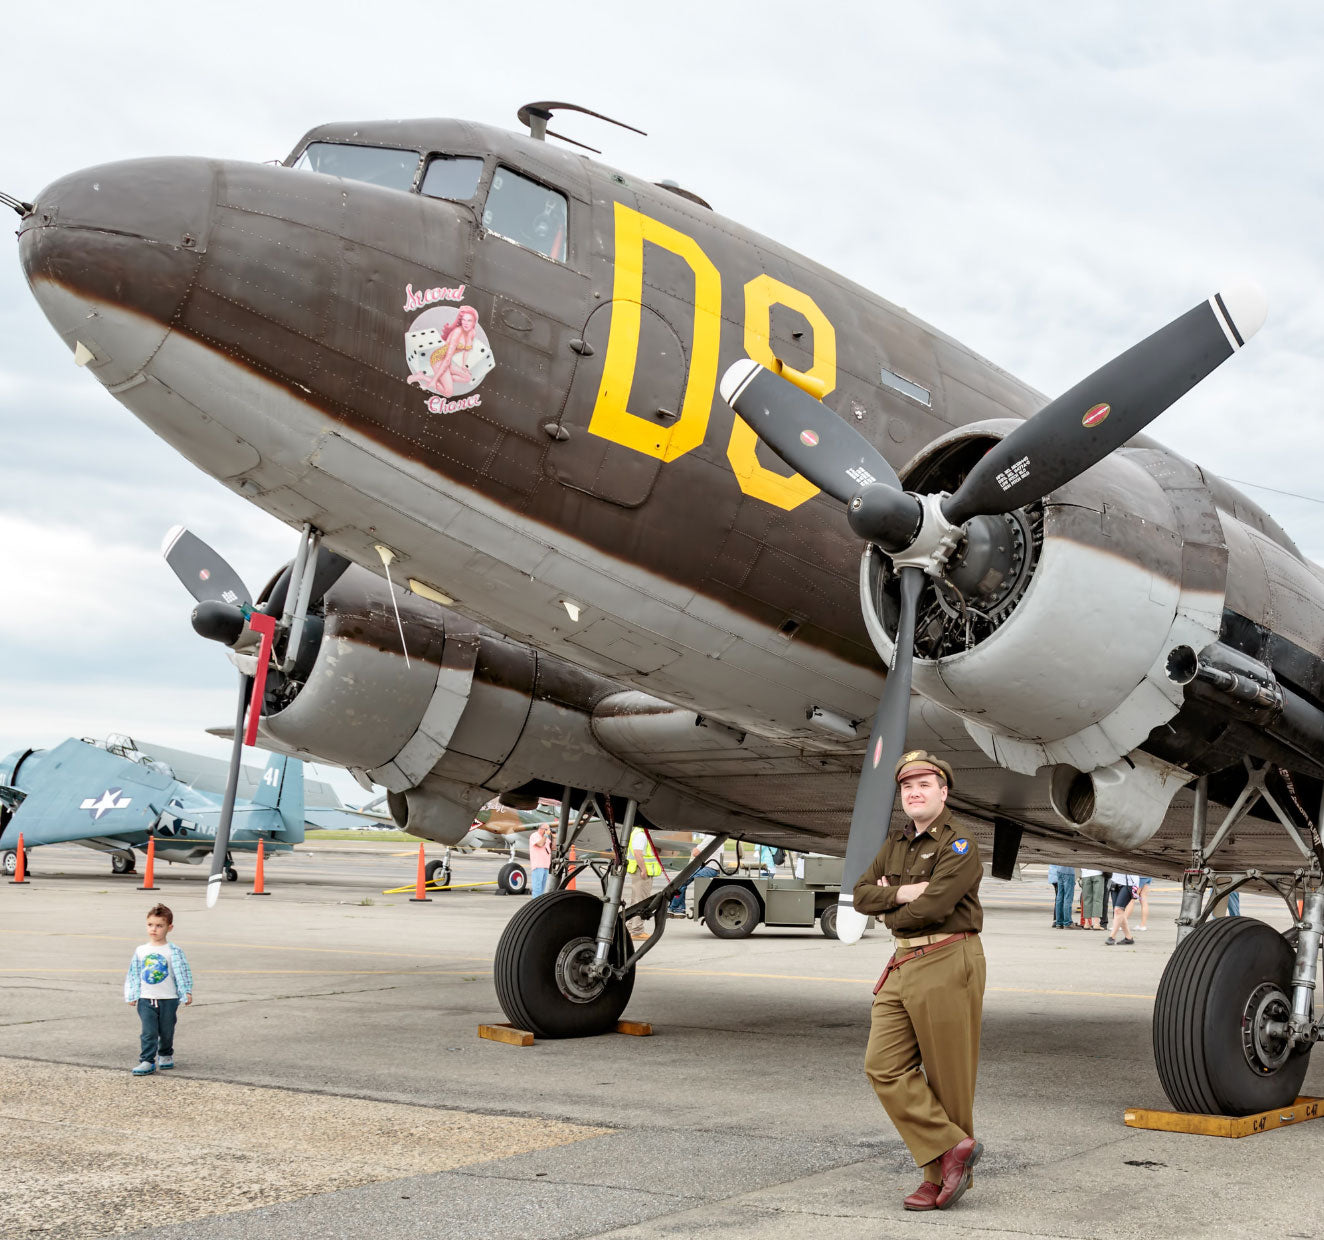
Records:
x=274, y=972
x=255, y=947
x=869, y=981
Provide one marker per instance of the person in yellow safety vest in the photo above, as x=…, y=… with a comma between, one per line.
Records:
x=643, y=868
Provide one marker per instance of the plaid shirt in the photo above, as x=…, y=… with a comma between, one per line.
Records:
x=179, y=970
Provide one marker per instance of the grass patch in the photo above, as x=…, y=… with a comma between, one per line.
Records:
x=382, y=837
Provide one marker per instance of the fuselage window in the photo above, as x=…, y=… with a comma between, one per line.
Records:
x=452, y=176
x=377, y=165
x=906, y=387
x=526, y=213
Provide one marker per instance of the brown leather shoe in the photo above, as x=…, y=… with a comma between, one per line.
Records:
x=956, y=1166
x=925, y=1197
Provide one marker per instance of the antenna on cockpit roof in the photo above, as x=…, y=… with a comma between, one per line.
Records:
x=536, y=116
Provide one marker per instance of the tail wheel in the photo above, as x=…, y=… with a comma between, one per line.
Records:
x=732, y=912
x=513, y=879
x=541, y=968
x=1225, y=988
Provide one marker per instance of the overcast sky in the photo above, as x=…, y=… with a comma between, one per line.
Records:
x=1047, y=183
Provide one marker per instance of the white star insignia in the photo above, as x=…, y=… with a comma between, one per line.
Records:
x=110, y=799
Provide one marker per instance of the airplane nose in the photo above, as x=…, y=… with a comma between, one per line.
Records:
x=111, y=252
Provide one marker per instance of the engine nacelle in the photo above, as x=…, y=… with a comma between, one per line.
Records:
x=472, y=715
x=1122, y=805
x=1066, y=662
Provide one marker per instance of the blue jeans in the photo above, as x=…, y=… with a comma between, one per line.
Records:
x=1066, y=892
x=540, y=880
x=157, y=1017
x=677, y=904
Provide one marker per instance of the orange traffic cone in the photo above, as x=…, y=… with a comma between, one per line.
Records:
x=149, y=874
x=21, y=872
x=258, y=889
x=418, y=897
x=570, y=886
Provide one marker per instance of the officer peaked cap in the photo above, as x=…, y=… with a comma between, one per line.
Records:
x=920, y=762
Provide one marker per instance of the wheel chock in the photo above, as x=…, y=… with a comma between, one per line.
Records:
x=635, y=1028
x=506, y=1033
x=1222, y=1125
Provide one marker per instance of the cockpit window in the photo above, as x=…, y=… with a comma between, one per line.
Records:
x=377, y=165
x=526, y=213
x=452, y=176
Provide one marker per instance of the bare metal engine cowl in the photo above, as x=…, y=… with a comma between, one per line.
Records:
x=1116, y=568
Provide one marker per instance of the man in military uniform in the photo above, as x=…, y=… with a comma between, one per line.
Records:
x=923, y=1050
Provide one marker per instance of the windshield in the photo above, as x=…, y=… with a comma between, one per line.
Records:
x=377, y=165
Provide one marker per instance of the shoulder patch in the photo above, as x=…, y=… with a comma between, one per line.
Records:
x=960, y=847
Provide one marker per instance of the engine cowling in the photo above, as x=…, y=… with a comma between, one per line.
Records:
x=1064, y=660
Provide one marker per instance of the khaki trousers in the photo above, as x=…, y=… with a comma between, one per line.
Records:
x=923, y=1052
x=641, y=887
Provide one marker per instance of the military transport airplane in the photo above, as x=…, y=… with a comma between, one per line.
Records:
x=488, y=378
x=113, y=797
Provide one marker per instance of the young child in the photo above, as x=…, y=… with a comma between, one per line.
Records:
x=157, y=979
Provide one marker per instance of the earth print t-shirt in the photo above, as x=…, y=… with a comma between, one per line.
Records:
x=154, y=973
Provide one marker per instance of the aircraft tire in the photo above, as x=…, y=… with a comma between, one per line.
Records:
x=513, y=879
x=123, y=863
x=9, y=863
x=731, y=911
x=437, y=874
x=1205, y=1028
x=827, y=921
x=538, y=969
x=231, y=874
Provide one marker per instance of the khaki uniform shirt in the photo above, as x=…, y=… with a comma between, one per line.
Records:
x=941, y=856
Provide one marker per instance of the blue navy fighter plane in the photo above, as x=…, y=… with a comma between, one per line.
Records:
x=113, y=798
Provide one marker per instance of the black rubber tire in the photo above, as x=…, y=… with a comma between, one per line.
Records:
x=513, y=879
x=732, y=911
x=827, y=921
x=1198, y=1015
x=435, y=868
x=122, y=863
x=231, y=874
x=524, y=970
x=9, y=863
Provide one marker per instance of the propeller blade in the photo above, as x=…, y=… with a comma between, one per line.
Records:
x=1115, y=403
x=875, y=794
x=804, y=432
x=329, y=569
x=221, y=845
x=205, y=575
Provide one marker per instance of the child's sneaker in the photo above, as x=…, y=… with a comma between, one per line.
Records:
x=144, y=1069
x=164, y=1062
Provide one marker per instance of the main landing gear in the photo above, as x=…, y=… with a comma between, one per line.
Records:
x=565, y=966
x=123, y=862
x=1234, y=1015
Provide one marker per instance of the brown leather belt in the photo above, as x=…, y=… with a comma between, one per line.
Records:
x=931, y=943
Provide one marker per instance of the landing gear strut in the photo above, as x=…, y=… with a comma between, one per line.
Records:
x=565, y=966
x=1234, y=1014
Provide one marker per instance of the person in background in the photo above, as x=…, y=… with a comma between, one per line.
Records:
x=768, y=861
x=1145, y=884
x=643, y=868
x=708, y=870
x=1063, y=878
x=540, y=858
x=1091, y=898
x=1124, y=887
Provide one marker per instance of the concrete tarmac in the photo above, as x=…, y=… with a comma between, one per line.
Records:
x=331, y=1083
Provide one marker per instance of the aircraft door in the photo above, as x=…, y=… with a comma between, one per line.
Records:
x=585, y=460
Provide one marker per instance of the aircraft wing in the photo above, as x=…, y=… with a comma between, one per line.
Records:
x=77, y=791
